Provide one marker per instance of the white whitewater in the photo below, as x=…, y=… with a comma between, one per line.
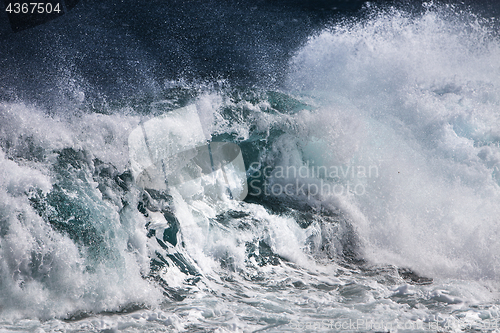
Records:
x=414, y=99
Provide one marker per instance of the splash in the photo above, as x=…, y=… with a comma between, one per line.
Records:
x=423, y=91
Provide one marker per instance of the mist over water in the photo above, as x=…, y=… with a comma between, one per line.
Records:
x=400, y=108
x=424, y=93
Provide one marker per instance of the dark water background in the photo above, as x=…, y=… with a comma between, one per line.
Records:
x=117, y=49
x=67, y=88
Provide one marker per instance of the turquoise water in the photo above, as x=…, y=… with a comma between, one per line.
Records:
x=373, y=197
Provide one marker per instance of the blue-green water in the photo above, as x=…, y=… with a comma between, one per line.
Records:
x=371, y=146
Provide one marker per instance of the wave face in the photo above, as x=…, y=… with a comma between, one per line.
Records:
x=372, y=163
x=423, y=93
